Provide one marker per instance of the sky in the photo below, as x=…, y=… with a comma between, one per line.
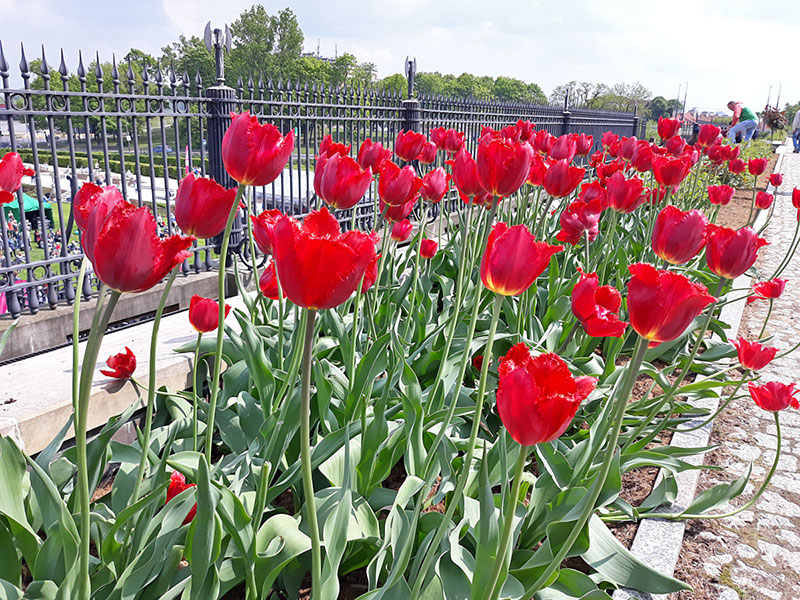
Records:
x=723, y=50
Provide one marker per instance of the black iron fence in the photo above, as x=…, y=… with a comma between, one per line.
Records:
x=142, y=128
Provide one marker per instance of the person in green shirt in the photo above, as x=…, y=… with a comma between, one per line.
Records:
x=744, y=120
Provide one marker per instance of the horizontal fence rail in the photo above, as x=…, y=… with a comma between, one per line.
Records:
x=141, y=128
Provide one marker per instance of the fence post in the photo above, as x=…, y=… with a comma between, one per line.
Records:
x=412, y=118
x=566, y=116
x=636, y=120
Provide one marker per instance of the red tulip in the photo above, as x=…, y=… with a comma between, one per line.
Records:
x=655, y=195
x=401, y=230
x=716, y=153
x=564, y=148
x=708, y=135
x=605, y=170
x=720, y=194
x=202, y=206
x=503, y=165
x=526, y=131
x=774, y=396
x=513, y=259
x=763, y=200
x=398, y=186
x=255, y=154
x=543, y=141
x=675, y=145
x=12, y=170
x=340, y=181
x=395, y=214
x=752, y=355
x=453, y=140
x=428, y=153
x=437, y=136
x=122, y=242
x=465, y=174
x=177, y=484
x=642, y=159
x=537, y=398
x=624, y=195
x=319, y=266
x=583, y=144
x=427, y=248
x=477, y=362
x=596, y=159
x=372, y=155
x=729, y=253
x=204, y=313
x=268, y=283
x=409, y=144
x=756, y=166
x=796, y=198
x=434, y=185
x=609, y=138
x=370, y=275
x=327, y=147
x=736, y=166
x=593, y=191
x=679, y=236
x=597, y=307
x=561, y=179
x=776, y=179
x=767, y=290
x=537, y=171
x=120, y=366
x=662, y=304
x=627, y=147
x=579, y=218
x=735, y=151
x=264, y=227
x=670, y=172
x=668, y=127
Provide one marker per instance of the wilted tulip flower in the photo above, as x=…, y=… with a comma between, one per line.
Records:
x=624, y=195
x=668, y=128
x=340, y=181
x=679, y=236
x=327, y=147
x=729, y=252
x=268, y=282
x=561, y=179
x=580, y=218
x=408, y=144
x=513, y=259
x=397, y=186
x=204, y=313
x=120, y=366
x=763, y=200
x=428, y=153
x=12, y=170
x=255, y=154
x=720, y=194
x=662, y=304
x=767, y=290
x=434, y=185
x=756, y=166
x=263, y=228
x=401, y=230
x=177, y=484
x=736, y=166
x=503, y=165
x=774, y=396
x=537, y=398
x=753, y=355
x=597, y=307
x=372, y=155
x=776, y=179
x=427, y=248
x=465, y=174
x=708, y=135
x=202, y=206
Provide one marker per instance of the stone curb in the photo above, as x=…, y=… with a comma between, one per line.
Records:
x=658, y=542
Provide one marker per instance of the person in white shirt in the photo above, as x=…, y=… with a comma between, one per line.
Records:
x=796, y=132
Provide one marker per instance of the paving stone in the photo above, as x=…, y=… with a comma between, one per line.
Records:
x=746, y=453
x=745, y=551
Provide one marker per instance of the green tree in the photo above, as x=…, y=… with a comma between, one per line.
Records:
x=190, y=54
x=396, y=83
x=342, y=68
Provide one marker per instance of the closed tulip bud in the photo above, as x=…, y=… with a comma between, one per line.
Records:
x=564, y=148
x=427, y=248
x=340, y=181
x=597, y=307
x=268, y=282
x=255, y=154
x=679, y=236
x=583, y=144
x=401, y=230
x=398, y=186
x=372, y=155
x=263, y=228
x=428, y=153
x=670, y=172
x=319, y=266
x=720, y=194
x=453, y=140
x=327, y=147
x=737, y=166
x=437, y=136
x=774, y=396
x=753, y=355
x=708, y=135
x=763, y=200
x=120, y=366
x=668, y=128
x=662, y=304
x=776, y=179
x=177, y=484
x=434, y=185
x=465, y=174
x=537, y=398
x=12, y=170
x=596, y=159
x=204, y=313
x=579, y=219
x=503, y=165
x=395, y=214
x=202, y=206
x=609, y=138
x=767, y=290
x=716, y=153
x=561, y=179
x=627, y=147
x=756, y=166
x=624, y=195
x=796, y=198
x=729, y=252
x=513, y=259
x=408, y=144
x=675, y=145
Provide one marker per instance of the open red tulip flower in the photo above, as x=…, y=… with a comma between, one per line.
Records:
x=327, y=147
x=580, y=218
x=537, y=398
x=679, y=236
x=597, y=307
x=729, y=252
x=503, y=165
x=340, y=181
x=120, y=366
x=668, y=127
x=564, y=148
x=12, y=170
x=255, y=154
x=202, y=206
x=434, y=185
x=737, y=166
x=662, y=304
x=427, y=248
x=720, y=194
x=774, y=396
x=177, y=484
x=776, y=179
x=513, y=259
x=675, y=145
x=609, y=138
x=624, y=195
x=764, y=200
x=398, y=186
x=543, y=141
x=537, y=171
x=753, y=355
x=583, y=144
x=767, y=290
x=670, y=172
x=372, y=155
x=756, y=166
x=204, y=313
x=628, y=147
x=395, y=214
x=319, y=266
x=465, y=174
x=401, y=230
x=642, y=159
x=408, y=145
x=263, y=228
x=561, y=179
x=121, y=240
x=428, y=153
x=708, y=135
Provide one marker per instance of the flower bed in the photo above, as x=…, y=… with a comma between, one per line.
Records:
x=448, y=418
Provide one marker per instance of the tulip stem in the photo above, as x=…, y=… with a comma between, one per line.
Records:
x=766, y=319
x=280, y=320
x=151, y=386
x=415, y=274
x=305, y=453
x=194, y=390
x=586, y=250
x=508, y=522
x=753, y=212
x=223, y=259
x=609, y=243
x=253, y=258
x=719, y=410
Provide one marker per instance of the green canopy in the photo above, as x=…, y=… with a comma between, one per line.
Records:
x=31, y=206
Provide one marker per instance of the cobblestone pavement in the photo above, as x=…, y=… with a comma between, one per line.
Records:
x=756, y=554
